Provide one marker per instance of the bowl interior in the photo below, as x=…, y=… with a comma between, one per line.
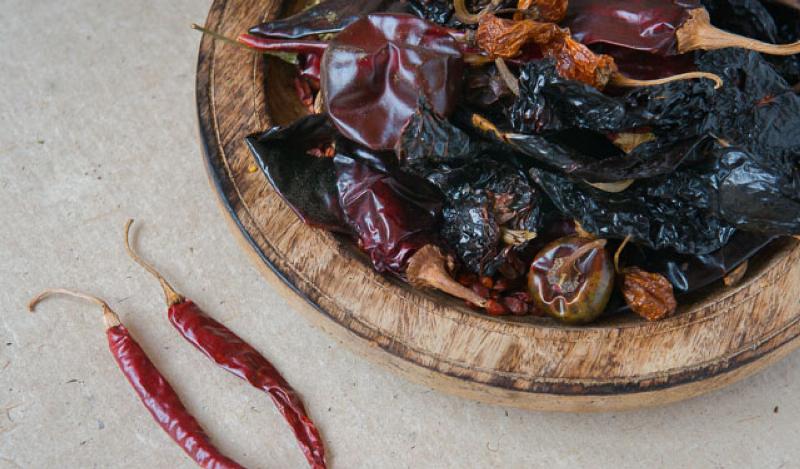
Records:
x=282, y=106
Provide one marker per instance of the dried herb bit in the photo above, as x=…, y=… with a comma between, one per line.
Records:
x=307, y=183
x=736, y=275
x=572, y=279
x=677, y=211
x=649, y=295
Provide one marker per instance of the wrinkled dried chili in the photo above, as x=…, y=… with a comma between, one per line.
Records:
x=233, y=354
x=153, y=389
x=657, y=26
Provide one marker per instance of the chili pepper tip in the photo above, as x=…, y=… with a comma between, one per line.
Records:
x=171, y=296
x=109, y=316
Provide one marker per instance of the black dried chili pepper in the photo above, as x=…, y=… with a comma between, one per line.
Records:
x=153, y=389
x=293, y=162
x=230, y=352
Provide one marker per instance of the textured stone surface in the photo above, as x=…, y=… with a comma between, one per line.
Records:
x=97, y=124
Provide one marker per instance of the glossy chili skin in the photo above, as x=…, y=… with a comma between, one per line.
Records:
x=328, y=16
x=646, y=25
x=163, y=402
x=574, y=295
x=235, y=355
x=375, y=69
x=392, y=213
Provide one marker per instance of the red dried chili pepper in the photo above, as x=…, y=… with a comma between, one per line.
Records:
x=153, y=389
x=661, y=27
x=235, y=355
x=374, y=70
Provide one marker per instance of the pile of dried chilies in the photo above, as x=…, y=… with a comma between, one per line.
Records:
x=219, y=344
x=544, y=157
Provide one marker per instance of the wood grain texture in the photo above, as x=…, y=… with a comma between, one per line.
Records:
x=533, y=363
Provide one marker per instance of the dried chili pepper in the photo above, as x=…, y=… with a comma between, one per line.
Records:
x=153, y=389
x=506, y=38
x=307, y=183
x=233, y=354
x=376, y=69
x=657, y=26
x=393, y=214
x=327, y=16
x=677, y=211
x=572, y=279
x=648, y=294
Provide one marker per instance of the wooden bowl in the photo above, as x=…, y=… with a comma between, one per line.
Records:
x=533, y=363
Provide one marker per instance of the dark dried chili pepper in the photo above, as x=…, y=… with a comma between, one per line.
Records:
x=153, y=389
x=650, y=159
x=233, y=354
x=375, y=70
x=657, y=26
x=306, y=182
x=691, y=273
x=393, y=214
x=675, y=211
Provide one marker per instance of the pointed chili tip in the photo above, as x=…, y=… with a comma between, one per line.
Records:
x=109, y=316
x=170, y=295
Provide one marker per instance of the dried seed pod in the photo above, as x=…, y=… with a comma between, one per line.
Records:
x=648, y=294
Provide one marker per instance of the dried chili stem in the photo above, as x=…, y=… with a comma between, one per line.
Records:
x=697, y=33
x=284, y=49
x=619, y=252
x=508, y=78
x=428, y=268
x=574, y=256
x=172, y=296
x=618, y=79
x=109, y=316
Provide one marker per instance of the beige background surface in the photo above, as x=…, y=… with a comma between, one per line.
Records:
x=97, y=124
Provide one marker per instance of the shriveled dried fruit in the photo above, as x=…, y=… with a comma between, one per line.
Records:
x=648, y=294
